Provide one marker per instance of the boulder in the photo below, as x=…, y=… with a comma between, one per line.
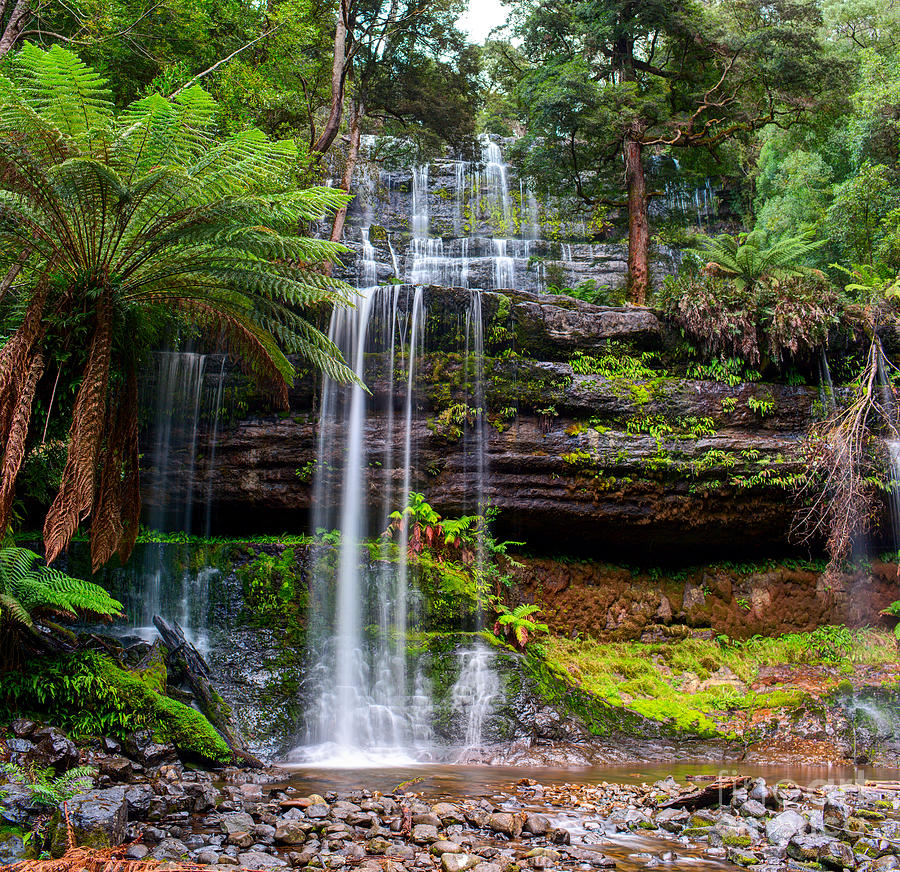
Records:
x=12, y=849
x=52, y=748
x=424, y=834
x=442, y=846
x=115, y=768
x=141, y=746
x=508, y=824
x=783, y=827
x=459, y=862
x=170, y=849
x=98, y=819
x=138, y=797
x=236, y=822
x=536, y=825
x=22, y=727
x=807, y=847
x=291, y=832
x=753, y=808
x=448, y=813
x=837, y=855
x=259, y=860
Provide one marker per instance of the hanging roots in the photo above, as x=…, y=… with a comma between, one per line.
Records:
x=846, y=456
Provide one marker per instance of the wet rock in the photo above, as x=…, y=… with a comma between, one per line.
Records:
x=835, y=813
x=170, y=849
x=427, y=818
x=258, y=860
x=424, y=834
x=12, y=849
x=291, y=832
x=561, y=837
x=377, y=845
x=783, y=827
x=508, y=824
x=886, y=864
x=237, y=822
x=442, y=846
x=459, y=862
x=548, y=853
x=806, y=847
x=137, y=852
x=486, y=867
x=536, y=825
x=141, y=746
x=837, y=855
x=98, y=819
x=400, y=852
x=753, y=808
x=153, y=834
x=115, y=768
x=207, y=857
x=240, y=839
x=263, y=833
x=448, y=813
x=740, y=857
x=317, y=811
x=22, y=727
x=341, y=810
x=52, y=748
x=299, y=858
x=205, y=796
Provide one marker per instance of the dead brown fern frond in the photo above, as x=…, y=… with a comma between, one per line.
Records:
x=846, y=456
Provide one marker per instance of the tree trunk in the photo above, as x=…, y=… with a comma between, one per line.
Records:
x=18, y=19
x=184, y=657
x=337, y=227
x=638, y=223
x=338, y=78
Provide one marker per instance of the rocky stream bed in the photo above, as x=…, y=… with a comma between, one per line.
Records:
x=167, y=812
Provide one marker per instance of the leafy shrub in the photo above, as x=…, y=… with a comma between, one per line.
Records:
x=776, y=316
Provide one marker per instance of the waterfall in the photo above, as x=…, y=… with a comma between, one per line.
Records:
x=366, y=702
x=473, y=693
x=367, y=271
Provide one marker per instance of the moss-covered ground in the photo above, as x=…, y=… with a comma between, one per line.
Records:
x=696, y=685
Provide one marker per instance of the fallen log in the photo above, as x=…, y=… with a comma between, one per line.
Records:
x=183, y=657
x=717, y=793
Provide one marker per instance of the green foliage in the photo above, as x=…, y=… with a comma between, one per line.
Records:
x=893, y=611
x=762, y=406
x=31, y=591
x=622, y=366
x=591, y=292
x=731, y=371
x=516, y=625
x=747, y=258
x=89, y=695
x=46, y=787
x=274, y=590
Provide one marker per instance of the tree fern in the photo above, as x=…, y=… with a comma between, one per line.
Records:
x=747, y=258
x=143, y=219
x=29, y=590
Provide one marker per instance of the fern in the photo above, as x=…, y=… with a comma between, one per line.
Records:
x=747, y=258
x=29, y=590
x=150, y=223
x=46, y=787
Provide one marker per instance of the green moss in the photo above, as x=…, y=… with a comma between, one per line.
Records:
x=170, y=720
x=733, y=841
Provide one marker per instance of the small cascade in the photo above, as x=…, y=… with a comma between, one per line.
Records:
x=474, y=692
x=504, y=265
x=826, y=387
x=367, y=269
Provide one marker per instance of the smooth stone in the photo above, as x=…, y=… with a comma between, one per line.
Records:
x=783, y=827
x=258, y=860
x=427, y=818
x=291, y=832
x=549, y=853
x=138, y=852
x=444, y=847
x=459, y=862
x=207, y=857
x=424, y=834
x=503, y=822
x=237, y=822
x=448, y=813
x=170, y=849
x=377, y=845
x=753, y=808
x=317, y=810
x=536, y=825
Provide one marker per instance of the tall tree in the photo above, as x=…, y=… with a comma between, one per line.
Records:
x=608, y=84
x=123, y=224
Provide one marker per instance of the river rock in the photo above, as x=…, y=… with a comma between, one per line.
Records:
x=138, y=852
x=807, y=847
x=115, y=768
x=377, y=845
x=504, y=822
x=424, y=834
x=236, y=822
x=317, y=811
x=486, y=867
x=886, y=864
x=458, y=862
x=753, y=808
x=740, y=857
x=448, y=813
x=837, y=855
x=291, y=832
x=835, y=813
x=208, y=856
x=141, y=746
x=170, y=849
x=98, y=819
x=52, y=748
x=241, y=839
x=341, y=810
x=442, y=846
x=427, y=818
x=781, y=828
x=258, y=860
x=138, y=798
x=536, y=825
